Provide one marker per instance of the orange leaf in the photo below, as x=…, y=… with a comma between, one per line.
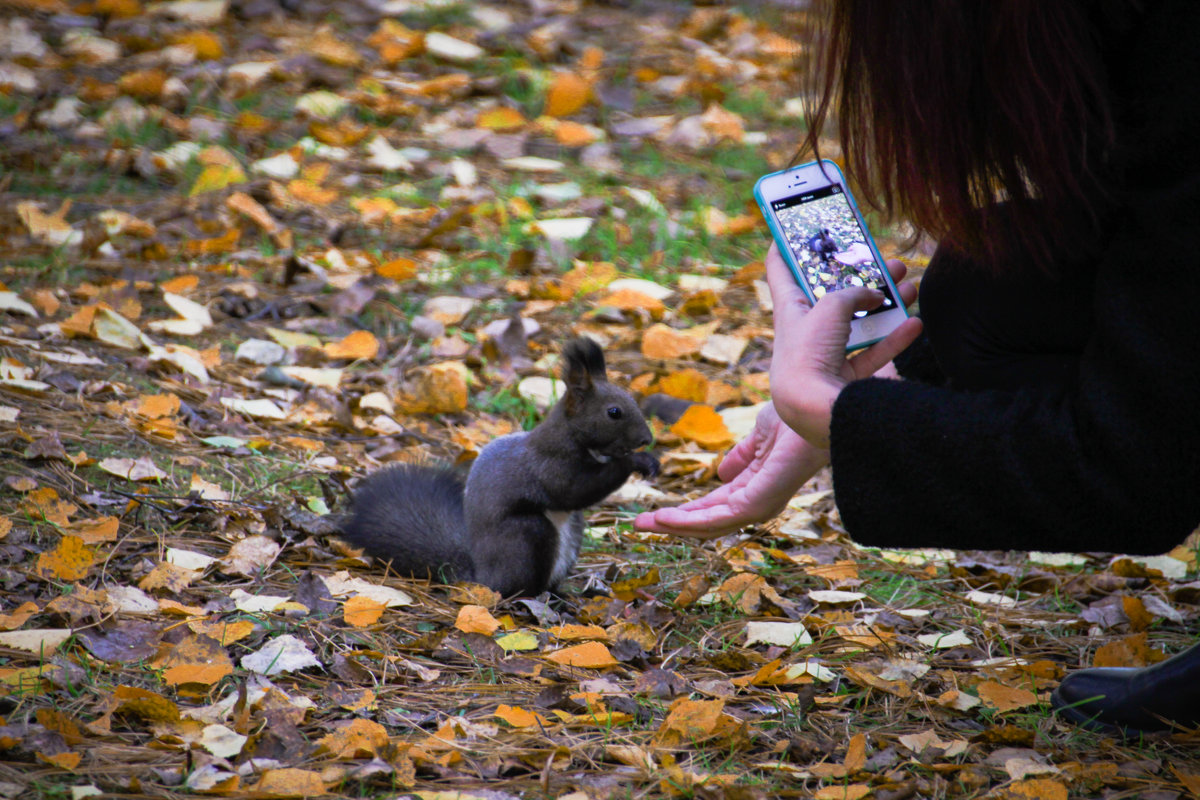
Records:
x=204, y=674
x=361, y=611
x=224, y=633
x=95, y=531
x=207, y=46
x=398, y=269
x=362, y=738
x=476, y=619
x=289, y=782
x=155, y=406
x=704, y=426
x=691, y=721
x=567, y=94
x=67, y=761
x=1004, y=698
x=853, y=791
x=664, y=342
x=70, y=561
x=225, y=243
x=438, y=389
x=357, y=345
x=1132, y=651
x=631, y=300
x=18, y=617
x=309, y=192
x=592, y=655
x=146, y=84
x=573, y=134
x=1135, y=609
x=1035, y=789
x=520, y=717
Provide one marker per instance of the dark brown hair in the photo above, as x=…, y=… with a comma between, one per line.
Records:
x=944, y=107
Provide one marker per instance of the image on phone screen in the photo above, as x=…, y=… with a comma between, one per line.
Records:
x=828, y=245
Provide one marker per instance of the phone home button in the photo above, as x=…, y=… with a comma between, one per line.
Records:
x=867, y=326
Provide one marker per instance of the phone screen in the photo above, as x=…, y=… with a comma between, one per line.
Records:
x=829, y=247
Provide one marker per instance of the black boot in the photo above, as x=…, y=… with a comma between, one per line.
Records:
x=1129, y=700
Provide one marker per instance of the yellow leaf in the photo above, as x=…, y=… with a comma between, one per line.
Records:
x=577, y=632
x=357, y=345
x=688, y=384
x=476, y=619
x=361, y=611
x=68, y=761
x=691, y=721
x=145, y=704
x=704, y=426
x=1034, y=789
x=567, y=94
x=224, y=633
x=225, y=243
x=592, y=655
x=207, y=46
x=18, y=617
x=70, y=561
x=154, y=406
x=501, y=119
x=1004, y=698
x=633, y=300
x=398, y=269
x=438, y=389
x=215, y=177
x=309, y=192
x=145, y=84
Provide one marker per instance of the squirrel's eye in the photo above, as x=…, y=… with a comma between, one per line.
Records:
x=615, y=412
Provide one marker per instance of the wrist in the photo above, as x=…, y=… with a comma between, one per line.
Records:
x=811, y=415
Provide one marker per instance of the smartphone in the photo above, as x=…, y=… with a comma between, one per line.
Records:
x=825, y=242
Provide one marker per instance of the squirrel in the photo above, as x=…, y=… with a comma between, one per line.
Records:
x=516, y=522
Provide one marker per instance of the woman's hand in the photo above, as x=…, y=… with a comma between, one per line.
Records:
x=809, y=367
x=761, y=473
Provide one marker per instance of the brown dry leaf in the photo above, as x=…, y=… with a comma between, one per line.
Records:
x=68, y=760
x=44, y=504
x=69, y=561
x=661, y=342
x=251, y=556
x=332, y=50
x=362, y=738
x=568, y=93
x=52, y=229
x=361, y=611
x=704, y=426
x=355, y=346
x=144, y=84
x=251, y=209
x=1005, y=698
x=476, y=619
x=520, y=718
x=181, y=285
x=308, y=191
x=590, y=655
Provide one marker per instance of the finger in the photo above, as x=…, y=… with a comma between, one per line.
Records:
x=736, y=459
x=868, y=361
x=782, y=283
x=908, y=293
x=703, y=524
x=844, y=303
x=897, y=269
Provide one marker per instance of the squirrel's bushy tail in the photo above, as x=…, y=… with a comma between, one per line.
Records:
x=413, y=517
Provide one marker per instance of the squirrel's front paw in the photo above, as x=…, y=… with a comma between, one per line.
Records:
x=645, y=464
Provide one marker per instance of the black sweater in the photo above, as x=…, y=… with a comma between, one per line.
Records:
x=1069, y=417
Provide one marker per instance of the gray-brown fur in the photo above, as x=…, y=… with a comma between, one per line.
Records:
x=502, y=530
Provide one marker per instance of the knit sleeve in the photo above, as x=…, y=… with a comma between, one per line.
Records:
x=1111, y=462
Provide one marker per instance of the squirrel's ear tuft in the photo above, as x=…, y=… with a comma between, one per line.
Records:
x=583, y=355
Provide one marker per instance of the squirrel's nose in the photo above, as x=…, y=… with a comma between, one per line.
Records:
x=644, y=439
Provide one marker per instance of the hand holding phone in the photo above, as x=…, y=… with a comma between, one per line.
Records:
x=825, y=243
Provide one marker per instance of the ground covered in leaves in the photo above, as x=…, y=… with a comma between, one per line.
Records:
x=252, y=250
